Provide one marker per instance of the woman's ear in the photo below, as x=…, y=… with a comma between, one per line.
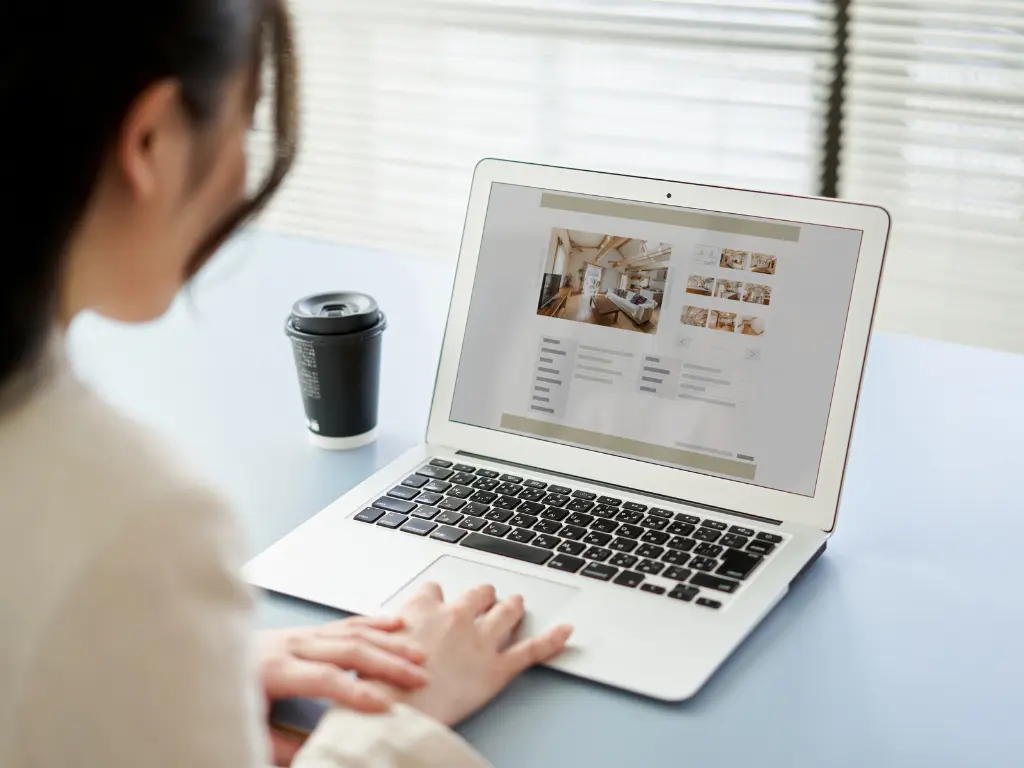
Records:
x=150, y=139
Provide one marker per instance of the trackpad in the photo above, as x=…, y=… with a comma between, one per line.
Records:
x=545, y=600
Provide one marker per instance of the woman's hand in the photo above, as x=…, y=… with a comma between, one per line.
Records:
x=469, y=655
x=316, y=662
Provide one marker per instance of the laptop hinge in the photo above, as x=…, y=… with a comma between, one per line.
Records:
x=626, y=489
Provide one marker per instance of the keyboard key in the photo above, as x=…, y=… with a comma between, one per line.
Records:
x=556, y=500
x=603, y=510
x=464, y=468
x=738, y=565
x=655, y=537
x=629, y=579
x=654, y=523
x=484, y=484
x=630, y=516
x=476, y=509
x=571, y=547
x=741, y=531
x=659, y=512
x=715, y=525
x=547, y=542
x=522, y=535
x=675, y=557
x=370, y=515
x=531, y=508
x=681, y=543
x=684, y=593
x=460, y=491
x=611, y=501
x=554, y=513
x=484, y=497
x=706, y=534
x=548, y=526
x=709, y=603
x=561, y=490
x=448, y=518
x=771, y=538
x=579, y=505
x=392, y=520
x=578, y=518
x=621, y=560
x=622, y=544
x=734, y=541
x=703, y=563
x=394, y=505
x=508, y=489
x=435, y=473
x=535, y=484
x=507, y=502
x=524, y=521
x=630, y=531
x=654, y=589
x=506, y=548
x=597, y=538
x=531, y=495
x=497, y=529
x=632, y=506
x=599, y=572
x=682, y=517
x=463, y=478
x=760, y=547
x=442, y=463
x=419, y=527
x=566, y=563
x=605, y=526
x=715, y=582
x=426, y=512
x=437, y=486
x=681, y=529
x=487, y=473
x=473, y=523
x=650, y=550
x=585, y=495
x=416, y=481
x=512, y=479
x=573, y=532
x=708, y=550
x=650, y=567
x=452, y=504
x=597, y=553
x=677, y=574
x=448, y=534
x=428, y=498
x=498, y=515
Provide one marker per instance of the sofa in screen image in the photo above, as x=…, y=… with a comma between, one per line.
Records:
x=639, y=307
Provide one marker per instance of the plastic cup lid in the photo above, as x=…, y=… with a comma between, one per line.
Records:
x=335, y=313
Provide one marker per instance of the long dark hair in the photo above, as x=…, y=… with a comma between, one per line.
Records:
x=69, y=73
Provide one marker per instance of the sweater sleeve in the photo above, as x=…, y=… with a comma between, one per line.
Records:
x=147, y=661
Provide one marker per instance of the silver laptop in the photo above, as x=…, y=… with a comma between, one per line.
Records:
x=640, y=423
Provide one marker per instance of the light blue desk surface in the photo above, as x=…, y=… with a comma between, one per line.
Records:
x=902, y=646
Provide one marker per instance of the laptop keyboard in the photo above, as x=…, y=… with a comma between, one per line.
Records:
x=678, y=555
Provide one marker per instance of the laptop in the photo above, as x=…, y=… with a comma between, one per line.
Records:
x=640, y=421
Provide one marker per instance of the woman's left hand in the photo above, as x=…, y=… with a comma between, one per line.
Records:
x=316, y=662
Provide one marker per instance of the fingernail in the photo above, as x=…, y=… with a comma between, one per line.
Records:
x=379, y=699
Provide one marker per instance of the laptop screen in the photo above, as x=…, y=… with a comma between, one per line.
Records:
x=698, y=340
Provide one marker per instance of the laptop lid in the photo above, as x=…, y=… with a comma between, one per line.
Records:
x=696, y=342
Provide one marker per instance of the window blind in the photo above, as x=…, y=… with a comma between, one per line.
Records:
x=401, y=99
x=934, y=130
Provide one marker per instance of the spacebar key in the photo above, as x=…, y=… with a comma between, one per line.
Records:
x=507, y=548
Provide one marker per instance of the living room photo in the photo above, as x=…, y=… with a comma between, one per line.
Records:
x=606, y=280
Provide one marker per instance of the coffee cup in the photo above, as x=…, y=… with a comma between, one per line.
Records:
x=336, y=341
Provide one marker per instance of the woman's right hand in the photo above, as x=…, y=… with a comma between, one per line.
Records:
x=467, y=643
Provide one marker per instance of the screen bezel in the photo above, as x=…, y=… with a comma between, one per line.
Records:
x=819, y=511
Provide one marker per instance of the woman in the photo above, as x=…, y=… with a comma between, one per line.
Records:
x=124, y=620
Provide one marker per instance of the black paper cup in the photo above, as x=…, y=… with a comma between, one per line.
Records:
x=336, y=339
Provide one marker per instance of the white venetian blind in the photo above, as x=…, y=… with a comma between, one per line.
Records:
x=934, y=129
x=403, y=97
